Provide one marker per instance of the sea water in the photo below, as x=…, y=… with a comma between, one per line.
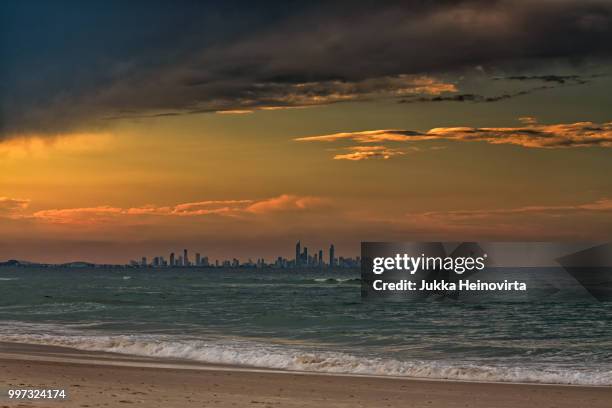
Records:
x=307, y=320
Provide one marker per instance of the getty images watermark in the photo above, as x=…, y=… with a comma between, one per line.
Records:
x=477, y=271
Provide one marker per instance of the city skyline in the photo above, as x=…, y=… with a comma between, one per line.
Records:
x=301, y=259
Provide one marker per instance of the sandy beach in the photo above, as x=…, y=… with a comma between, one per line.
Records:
x=93, y=379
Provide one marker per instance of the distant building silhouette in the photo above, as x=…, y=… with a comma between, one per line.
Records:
x=298, y=254
x=302, y=260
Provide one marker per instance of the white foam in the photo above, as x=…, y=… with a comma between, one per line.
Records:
x=253, y=354
x=336, y=280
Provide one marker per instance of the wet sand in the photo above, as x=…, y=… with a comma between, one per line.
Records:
x=93, y=379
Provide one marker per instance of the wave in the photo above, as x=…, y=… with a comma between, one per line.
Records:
x=9, y=279
x=253, y=354
x=336, y=280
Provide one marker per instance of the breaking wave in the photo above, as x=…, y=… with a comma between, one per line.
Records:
x=337, y=280
x=253, y=354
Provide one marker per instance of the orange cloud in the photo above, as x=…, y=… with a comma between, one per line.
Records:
x=366, y=136
x=531, y=135
x=604, y=204
x=586, y=221
x=103, y=214
x=87, y=215
x=285, y=202
x=581, y=134
x=12, y=207
x=209, y=207
x=369, y=152
x=424, y=85
x=327, y=92
x=528, y=120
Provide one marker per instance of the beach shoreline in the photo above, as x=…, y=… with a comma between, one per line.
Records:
x=109, y=379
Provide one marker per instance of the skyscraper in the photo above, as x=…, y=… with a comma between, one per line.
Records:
x=185, y=258
x=332, y=261
x=298, y=253
x=305, y=257
x=172, y=259
x=197, y=259
x=320, y=257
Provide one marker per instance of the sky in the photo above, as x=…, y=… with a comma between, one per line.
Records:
x=234, y=129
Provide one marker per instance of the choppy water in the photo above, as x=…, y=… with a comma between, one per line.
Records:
x=305, y=321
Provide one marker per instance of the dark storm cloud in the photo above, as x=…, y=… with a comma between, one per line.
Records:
x=67, y=65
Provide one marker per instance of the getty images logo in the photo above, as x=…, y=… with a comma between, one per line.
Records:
x=405, y=262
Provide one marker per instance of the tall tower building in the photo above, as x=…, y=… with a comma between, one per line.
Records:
x=197, y=260
x=185, y=258
x=332, y=260
x=305, y=257
x=172, y=263
x=298, y=253
x=321, y=258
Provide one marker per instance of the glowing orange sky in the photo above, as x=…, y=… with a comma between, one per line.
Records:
x=240, y=185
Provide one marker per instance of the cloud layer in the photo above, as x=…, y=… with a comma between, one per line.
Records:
x=68, y=71
x=16, y=209
x=357, y=153
x=11, y=207
x=583, y=221
x=601, y=205
x=531, y=135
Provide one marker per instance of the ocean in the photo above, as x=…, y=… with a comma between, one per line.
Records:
x=307, y=321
